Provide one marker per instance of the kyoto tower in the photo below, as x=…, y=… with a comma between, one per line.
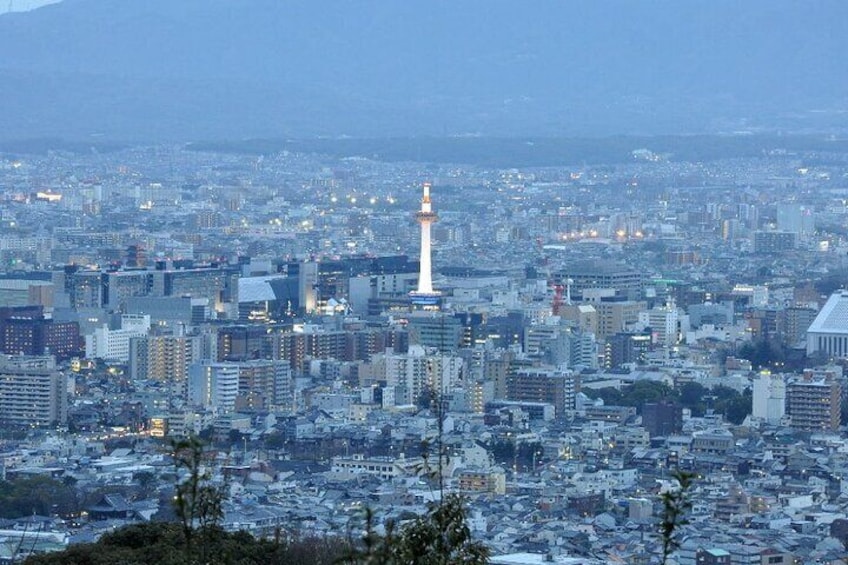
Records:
x=425, y=217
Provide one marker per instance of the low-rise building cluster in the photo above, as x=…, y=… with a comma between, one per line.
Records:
x=590, y=333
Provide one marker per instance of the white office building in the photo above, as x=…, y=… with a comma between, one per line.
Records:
x=114, y=345
x=213, y=386
x=769, y=398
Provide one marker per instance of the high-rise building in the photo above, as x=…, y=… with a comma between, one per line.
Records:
x=114, y=345
x=614, y=316
x=435, y=329
x=814, y=401
x=25, y=331
x=420, y=371
x=220, y=284
x=596, y=274
x=118, y=286
x=264, y=385
x=769, y=398
x=561, y=346
x=163, y=357
x=730, y=229
x=170, y=311
x=298, y=348
x=242, y=342
x=213, y=386
x=32, y=392
x=663, y=323
x=540, y=384
x=624, y=348
x=85, y=289
x=795, y=322
x=774, y=241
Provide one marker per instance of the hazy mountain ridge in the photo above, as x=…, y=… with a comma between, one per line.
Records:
x=222, y=69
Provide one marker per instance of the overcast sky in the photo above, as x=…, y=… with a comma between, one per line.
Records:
x=23, y=5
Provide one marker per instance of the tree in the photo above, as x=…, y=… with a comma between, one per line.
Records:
x=610, y=395
x=739, y=407
x=645, y=392
x=439, y=537
x=197, y=502
x=692, y=396
x=163, y=544
x=235, y=437
x=676, y=505
x=427, y=398
x=275, y=440
x=761, y=354
x=636, y=395
x=37, y=495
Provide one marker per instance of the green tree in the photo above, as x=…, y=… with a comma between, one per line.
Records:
x=761, y=353
x=503, y=451
x=739, y=407
x=37, y=495
x=636, y=395
x=144, y=478
x=610, y=395
x=275, y=440
x=676, y=505
x=644, y=392
x=197, y=502
x=439, y=537
x=692, y=396
x=163, y=544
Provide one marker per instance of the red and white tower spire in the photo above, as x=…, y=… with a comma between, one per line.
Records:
x=425, y=217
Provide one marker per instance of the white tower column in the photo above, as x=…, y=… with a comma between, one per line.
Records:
x=425, y=217
x=425, y=276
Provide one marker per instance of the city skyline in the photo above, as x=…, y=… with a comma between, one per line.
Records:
x=319, y=282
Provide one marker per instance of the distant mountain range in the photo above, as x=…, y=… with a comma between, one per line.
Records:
x=156, y=70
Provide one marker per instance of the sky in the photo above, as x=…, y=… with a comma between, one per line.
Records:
x=23, y=5
x=211, y=69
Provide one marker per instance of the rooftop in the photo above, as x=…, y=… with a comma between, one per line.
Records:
x=833, y=317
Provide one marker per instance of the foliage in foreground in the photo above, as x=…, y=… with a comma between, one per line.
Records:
x=676, y=505
x=164, y=543
x=440, y=537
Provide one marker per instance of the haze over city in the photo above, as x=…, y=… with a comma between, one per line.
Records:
x=423, y=282
x=200, y=69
